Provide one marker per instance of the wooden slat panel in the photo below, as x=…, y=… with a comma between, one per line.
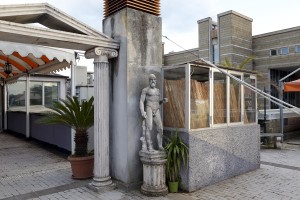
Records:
x=149, y=6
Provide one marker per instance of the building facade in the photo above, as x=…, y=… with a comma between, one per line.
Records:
x=84, y=83
x=230, y=39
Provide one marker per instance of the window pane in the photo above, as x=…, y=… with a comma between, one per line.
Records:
x=297, y=48
x=199, y=98
x=174, y=90
x=250, y=101
x=273, y=52
x=219, y=98
x=235, y=100
x=215, y=53
x=284, y=50
x=16, y=94
x=36, y=93
x=51, y=93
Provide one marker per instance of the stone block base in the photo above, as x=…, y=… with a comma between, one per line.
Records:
x=100, y=189
x=154, y=192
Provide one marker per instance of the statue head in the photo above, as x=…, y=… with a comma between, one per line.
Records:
x=152, y=80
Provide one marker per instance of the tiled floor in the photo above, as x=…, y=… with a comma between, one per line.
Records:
x=28, y=171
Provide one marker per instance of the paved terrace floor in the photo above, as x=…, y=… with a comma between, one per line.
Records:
x=28, y=170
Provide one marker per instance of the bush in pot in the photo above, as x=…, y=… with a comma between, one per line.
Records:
x=69, y=112
x=177, y=153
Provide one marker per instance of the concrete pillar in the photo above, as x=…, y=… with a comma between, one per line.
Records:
x=204, y=39
x=235, y=38
x=140, y=54
x=101, y=116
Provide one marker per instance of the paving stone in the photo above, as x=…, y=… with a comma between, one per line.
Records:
x=47, y=176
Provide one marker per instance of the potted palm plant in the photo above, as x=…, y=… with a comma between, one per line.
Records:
x=177, y=153
x=69, y=112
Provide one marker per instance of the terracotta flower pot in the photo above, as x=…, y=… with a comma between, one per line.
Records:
x=82, y=167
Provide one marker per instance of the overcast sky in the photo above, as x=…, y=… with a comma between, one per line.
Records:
x=179, y=17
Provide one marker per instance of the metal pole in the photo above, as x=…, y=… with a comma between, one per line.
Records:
x=27, y=105
x=73, y=76
x=266, y=95
x=265, y=113
x=290, y=74
x=281, y=109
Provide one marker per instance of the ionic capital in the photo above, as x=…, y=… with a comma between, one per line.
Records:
x=101, y=54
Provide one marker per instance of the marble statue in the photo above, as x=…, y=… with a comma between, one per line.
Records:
x=149, y=105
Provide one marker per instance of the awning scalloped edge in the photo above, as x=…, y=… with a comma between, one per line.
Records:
x=38, y=51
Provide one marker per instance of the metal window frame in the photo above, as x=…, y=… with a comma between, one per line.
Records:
x=212, y=100
x=283, y=48
x=162, y=113
x=297, y=48
x=252, y=77
x=241, y=96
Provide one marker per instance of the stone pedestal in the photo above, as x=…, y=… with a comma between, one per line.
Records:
x=154, y=173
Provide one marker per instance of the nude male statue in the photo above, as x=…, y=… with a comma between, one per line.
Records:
x=149, y=106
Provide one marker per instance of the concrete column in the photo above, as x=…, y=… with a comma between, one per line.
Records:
x=101, y=116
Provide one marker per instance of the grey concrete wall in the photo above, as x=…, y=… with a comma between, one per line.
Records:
x=57, y=135
x=181, y=57
x=16, y=122
x=140, y=54
x=217, y=154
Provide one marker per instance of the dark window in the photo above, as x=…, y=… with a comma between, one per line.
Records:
x=273, y=52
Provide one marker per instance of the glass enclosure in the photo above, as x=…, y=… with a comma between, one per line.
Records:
x=41, y=93
x=203, y=97
x=16, y=94
x=235, y=99
x=174, y=90
x=51, y=93
x=199, y=95
x=36, y=93
x=219, y=98
x=250, y=100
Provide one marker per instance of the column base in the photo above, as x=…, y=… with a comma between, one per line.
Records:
x=154, y=191
x=102, y=184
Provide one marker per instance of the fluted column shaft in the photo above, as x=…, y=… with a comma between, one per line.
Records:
x=101, y=116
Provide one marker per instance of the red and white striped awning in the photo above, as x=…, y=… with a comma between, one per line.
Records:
x=26, y=58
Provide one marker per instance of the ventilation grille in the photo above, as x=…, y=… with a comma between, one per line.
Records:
x=149, y=6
